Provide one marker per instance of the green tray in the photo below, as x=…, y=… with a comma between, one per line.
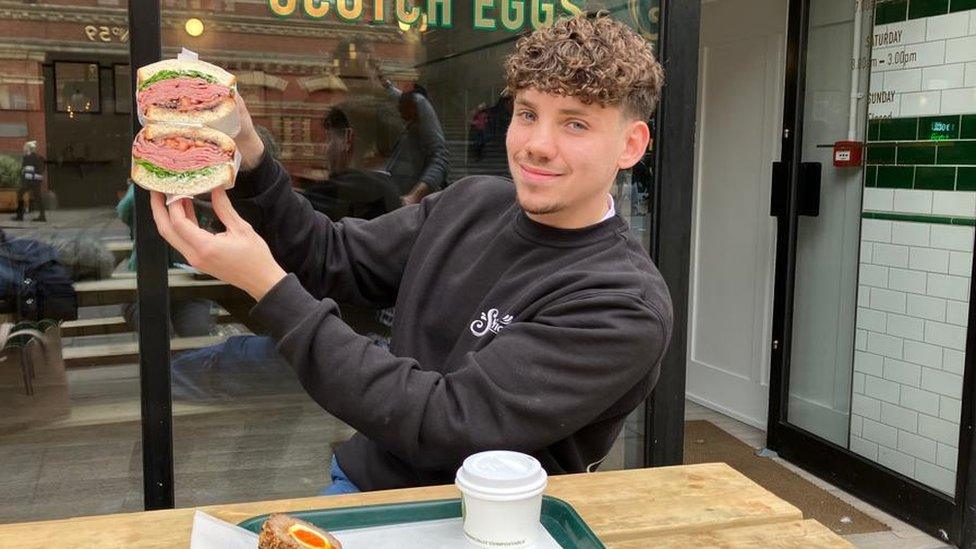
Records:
x=558, y=517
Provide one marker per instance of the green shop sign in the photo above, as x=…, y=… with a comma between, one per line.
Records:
x=511, y=15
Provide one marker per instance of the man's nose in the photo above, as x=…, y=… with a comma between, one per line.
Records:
x=541, y=142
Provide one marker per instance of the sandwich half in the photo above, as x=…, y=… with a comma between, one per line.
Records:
x=182, y=160
x=187, y=92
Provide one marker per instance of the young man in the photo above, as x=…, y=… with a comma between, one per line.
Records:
x=528, y=317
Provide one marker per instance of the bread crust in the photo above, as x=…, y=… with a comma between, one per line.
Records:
x=223, y=77
x=222, y=176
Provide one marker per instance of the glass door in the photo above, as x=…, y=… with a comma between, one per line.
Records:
x=874, y=258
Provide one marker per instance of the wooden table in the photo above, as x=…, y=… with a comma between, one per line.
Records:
x=707, y=505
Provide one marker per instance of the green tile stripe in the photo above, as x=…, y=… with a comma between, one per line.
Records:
x=890, y=12
x=927, y=8
x=920, y=218
x=925, y=128
x=962, y=5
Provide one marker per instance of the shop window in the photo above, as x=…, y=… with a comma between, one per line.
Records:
x=77, y=87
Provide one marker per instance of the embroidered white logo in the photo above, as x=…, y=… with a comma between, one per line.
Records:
x=490, y=322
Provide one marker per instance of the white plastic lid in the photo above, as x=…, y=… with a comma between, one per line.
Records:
x=501, y=474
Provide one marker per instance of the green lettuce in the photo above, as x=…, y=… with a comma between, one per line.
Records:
x=163, y=172
x=167, y=74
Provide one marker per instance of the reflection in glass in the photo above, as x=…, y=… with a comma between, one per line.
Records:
x=77, y=87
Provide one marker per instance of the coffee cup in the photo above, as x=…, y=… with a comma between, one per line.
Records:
x=501, y=499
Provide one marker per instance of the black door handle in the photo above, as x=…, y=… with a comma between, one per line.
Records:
x=808, y=189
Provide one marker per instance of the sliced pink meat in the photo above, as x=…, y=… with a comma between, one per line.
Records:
x=183, y=94
x=179, y=154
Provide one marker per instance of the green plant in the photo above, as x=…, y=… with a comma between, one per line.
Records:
x=9, y=172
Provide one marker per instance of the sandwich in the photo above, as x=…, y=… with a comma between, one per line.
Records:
x=182, y=160
x=185, y=91
x=284, y=532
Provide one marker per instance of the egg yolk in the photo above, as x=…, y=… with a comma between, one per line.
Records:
x=308, y=538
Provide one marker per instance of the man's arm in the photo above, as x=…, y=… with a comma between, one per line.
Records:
x=436, y=154
x=355, y=260
x=537, y=382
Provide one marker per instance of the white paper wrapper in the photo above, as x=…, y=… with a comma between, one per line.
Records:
x=211, y=533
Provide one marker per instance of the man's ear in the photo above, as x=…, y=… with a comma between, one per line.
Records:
x=638, y=135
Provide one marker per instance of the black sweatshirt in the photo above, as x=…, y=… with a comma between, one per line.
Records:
x=509, y=334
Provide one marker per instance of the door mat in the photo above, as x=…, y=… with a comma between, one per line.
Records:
x=706, y=443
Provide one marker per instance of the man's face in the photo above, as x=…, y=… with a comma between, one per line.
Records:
x=338, y=148
x=564, y=155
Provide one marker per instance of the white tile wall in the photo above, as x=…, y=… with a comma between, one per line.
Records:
x=945, y=335
x=952, y=25
x=921, y=103
x=929, y=259
x=874, y=275
x=864, y=447
x=920, y=400
x=935, y=476
x=913, y=293
x=957, y=203
x=891, y=255
x=950, y=409
x=950, y=287
x=902, y=372
x=960, y=263
x=952, y=361
x=943, y=77
x=909, y=80
x=882, y=389
x=869, y=319
x=868, y=363
x=944, y=383
x=950, y=237
x=946, y=456
x=923, y=354
x=881, y=200
x=906, y=327
x=957, y=312
x=931, y=308
x=920, y=447
x=880, y=433
x=957, y=50
x=893, y=459
x=909, y=234
x=912, y=201
x=939, y=429
x=958, y=101
x=866, y=407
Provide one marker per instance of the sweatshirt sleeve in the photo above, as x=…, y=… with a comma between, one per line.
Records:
x=537, y=382
x=354, y=261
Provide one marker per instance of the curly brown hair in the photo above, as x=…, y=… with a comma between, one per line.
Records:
x=590, y=57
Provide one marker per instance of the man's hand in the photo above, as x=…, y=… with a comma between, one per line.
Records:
x=416, y=194
x=237, y=256
x=248, y=141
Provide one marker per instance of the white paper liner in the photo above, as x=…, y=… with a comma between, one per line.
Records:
x=211, y=533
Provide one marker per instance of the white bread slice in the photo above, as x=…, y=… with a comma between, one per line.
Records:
x=222, y=176
x=223, y=77
x=223, y=117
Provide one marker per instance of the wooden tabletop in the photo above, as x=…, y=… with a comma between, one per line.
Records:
x=687, y=506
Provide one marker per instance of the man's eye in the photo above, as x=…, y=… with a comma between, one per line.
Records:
x=577, y=126
x=527, y=116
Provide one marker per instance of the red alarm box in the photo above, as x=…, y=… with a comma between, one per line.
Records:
x=848, y=154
